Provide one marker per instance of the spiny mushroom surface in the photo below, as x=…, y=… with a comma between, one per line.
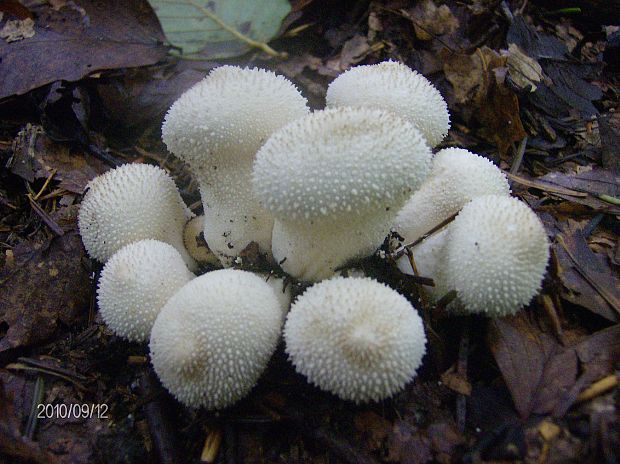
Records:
x=456, y=177
x=130, y=203
x=334, y=180
x=394, y=87
x=136, y=283
x=217, y=127
x=356, y=338
x=496, y=255
x=214, y=337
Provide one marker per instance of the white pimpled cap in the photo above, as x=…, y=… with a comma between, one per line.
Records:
x=356, y=338
x=213, y=339
x=394, y=87
x=130, y=203
x=136, y=283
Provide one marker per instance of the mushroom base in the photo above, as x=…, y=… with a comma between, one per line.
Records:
x=313, y=251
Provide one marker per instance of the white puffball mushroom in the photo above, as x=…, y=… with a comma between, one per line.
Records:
x=213, y=339
x=195, y=244
x=334, y=180
x=217, y=127
x=356, y=338
x=130, y=203
x=457, y=176
x=136, y=283
x=394, y=87
x=496, y=255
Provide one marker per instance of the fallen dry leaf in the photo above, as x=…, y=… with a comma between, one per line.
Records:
x=587, y=278
x=430, y=21
x=68, y=45
x=46, y=285
x=17, y=30
x=36, y=156
x=477, y=83
x=535, y=367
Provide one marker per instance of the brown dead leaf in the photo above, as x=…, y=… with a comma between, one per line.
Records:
x=535, y=367
x=477, y=82
x=17, y=30
x=525, y=72
x=587, y=278
x=456, y=382
x=353, y=51
x=36, y=156
x=430, y=21
x=68, y=45
x=46, y=285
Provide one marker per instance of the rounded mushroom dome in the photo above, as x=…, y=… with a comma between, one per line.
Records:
x=130, y=203
x=356, y=338
x=340, y=161
x=496, y=255
x=394, y=87
x=214, y=337
x=232, y=110
x=136, y=283
x=457, y=176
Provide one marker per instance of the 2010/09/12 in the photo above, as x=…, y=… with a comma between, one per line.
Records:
x=72, y=411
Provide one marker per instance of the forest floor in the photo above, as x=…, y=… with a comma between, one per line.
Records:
x=534, y=86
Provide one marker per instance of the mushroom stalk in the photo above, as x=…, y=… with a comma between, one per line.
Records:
x=334, y=180
x=217, y=127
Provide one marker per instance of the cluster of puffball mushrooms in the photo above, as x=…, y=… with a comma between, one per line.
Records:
x=315, y=191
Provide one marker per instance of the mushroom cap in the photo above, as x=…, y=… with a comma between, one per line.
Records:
x=355, y=337
x=231, y=112
x=336, y=162
x=136, y=283
x=217, y=127
x=496, y=255
x=214, y=337
x=457, y=176
x=130, y=203
x=394, y=87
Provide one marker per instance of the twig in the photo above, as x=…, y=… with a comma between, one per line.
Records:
x=518, y=159
x=37, y=398
x=49, y=222
x=445, y=300
x=461, y=370
x=598, y=388
x=545, y=187
x=242, y=37
x=397, y=254
x=161, y=428
x=211, y=446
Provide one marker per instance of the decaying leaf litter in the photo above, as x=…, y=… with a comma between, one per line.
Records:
x=530, y=85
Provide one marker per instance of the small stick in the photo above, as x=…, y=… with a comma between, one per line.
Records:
x=441, y=225
x=598, y=388
x=49, y=222
x=212, y=446
x=37, y=398
x=445, y=300
x=518, y=159
x=161, y=428
x=461, y=370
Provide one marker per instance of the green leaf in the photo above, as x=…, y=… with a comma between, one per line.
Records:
x=192, y=25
